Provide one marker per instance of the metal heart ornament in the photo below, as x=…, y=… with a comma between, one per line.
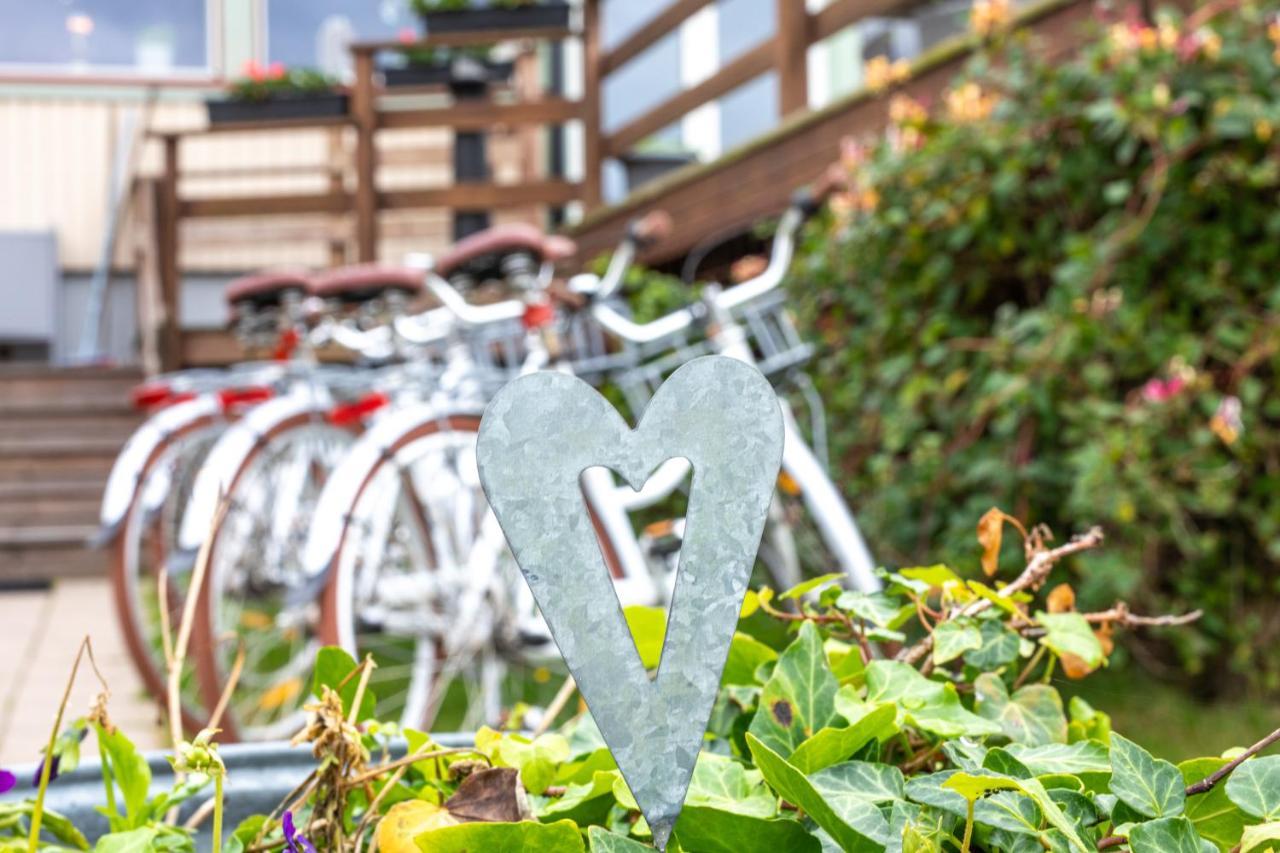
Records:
x=537, y=437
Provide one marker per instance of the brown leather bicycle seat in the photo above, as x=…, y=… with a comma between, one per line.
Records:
x=365, y=281
x=483, y=251
x=267, y=287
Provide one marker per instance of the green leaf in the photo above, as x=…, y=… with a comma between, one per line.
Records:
x=973, y=786
x=1086, y=756
x=709, y=830
x=1166, y=835
x=131, y=772
x=133, y=841
x=877, y=608
x=810, y=585
x=928, y=705
x=583, y=803
x=333, y=665
x=799, y=698
x=832, y=745
x=1011, y=811
x=999, y=647
x=1071, y=634
x=721, y=783
x=953, y=638
x=746, y=655
x=1255, y=787
x=1150, y=786
x=560, y=837
x=1032, y=716
x=864, y=781
x=1215, y=817
x=648, y=630
x=1260, y=834
x=604, y=841
x=792, y=786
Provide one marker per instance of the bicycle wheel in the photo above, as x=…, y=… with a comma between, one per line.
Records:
x=422, y=580
x=255, y=596
x=140, y=552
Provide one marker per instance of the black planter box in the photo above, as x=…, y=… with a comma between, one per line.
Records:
x=227, y=111
x=533, y=16
x=642, y=168
x=418, y=74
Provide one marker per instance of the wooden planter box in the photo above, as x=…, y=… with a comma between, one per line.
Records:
x=441, y=73
x=534, y=16
x=228, y=111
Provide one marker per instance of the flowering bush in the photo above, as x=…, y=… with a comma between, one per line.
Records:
x=262, y=82
x=1056, y=287
x=920, y=718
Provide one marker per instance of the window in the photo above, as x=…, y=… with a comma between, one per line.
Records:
x=312, y=32
x=152, y=37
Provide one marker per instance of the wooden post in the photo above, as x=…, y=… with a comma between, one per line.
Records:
x=147, y=288
x=337, y=171
x=591, y=85
x=366, y=120
x=167, y=235
x=791, y=49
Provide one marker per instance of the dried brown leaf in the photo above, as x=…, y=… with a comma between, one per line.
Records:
x=1062, y=599
x=490, y=795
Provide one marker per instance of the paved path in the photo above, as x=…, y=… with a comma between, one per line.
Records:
x=43, y=629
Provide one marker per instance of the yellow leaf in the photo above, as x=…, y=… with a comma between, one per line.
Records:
x=990, y=533
x=1062, y=599
x=406, y=821
x=1074, y=667
x=282, y=693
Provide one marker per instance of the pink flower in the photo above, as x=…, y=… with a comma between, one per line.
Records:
x=254, y=71
x=1163, y=390
x=407, y=35
x=275, y=71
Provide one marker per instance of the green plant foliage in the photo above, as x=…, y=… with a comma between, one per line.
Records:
x=274, y=81
x=1054, y=289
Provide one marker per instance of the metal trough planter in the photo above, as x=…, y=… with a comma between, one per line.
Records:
x=259, y=776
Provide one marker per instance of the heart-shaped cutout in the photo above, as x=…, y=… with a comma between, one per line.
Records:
x=537, y=437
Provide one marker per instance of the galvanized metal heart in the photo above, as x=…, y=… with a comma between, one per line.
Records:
x=537, y=437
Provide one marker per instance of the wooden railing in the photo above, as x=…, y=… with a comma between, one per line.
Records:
x=785, y=52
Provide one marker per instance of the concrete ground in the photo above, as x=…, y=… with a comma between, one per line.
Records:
x=43, y=630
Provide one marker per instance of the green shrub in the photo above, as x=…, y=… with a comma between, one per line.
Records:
x=1056, y=290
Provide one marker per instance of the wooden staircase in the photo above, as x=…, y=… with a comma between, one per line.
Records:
x=60, y=430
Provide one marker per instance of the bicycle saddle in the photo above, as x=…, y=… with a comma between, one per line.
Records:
x=481, y=255
x=266, y=289
x=365, y=281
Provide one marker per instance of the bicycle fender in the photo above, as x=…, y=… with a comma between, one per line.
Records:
x=229, y=454
x=130, y=466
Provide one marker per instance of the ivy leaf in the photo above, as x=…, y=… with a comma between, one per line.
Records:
x=560, y=837
x=999, y=646
x=861, y=829
x=832, y=745
x=864, y=781
x=721, y=783
x=746, y=655
x=1150, y=786
x=1255, y=787
x=928, y=705
x=1011, y=811
x=604, y=841
x=648, y=631
x=799, y=698
x=583, y=803
x=953, y=638
x=1070, y=634
x=1086, y=756
x=1260, y=834
x=810, y=585
x=972, y=786
x=334, y=666
x=1215, y=817
x=1166, y=835
x=877, y=608
x=133, y=841
x=1033, y=715
x=709, y=830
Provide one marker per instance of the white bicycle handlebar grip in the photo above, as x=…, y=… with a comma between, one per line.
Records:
x=473, y=315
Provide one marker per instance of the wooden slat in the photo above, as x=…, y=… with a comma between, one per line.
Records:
x=746, y=67
x=265, y=205
x=484, y=196
x=659, y=26
x=592, y=80
x=842, y=13
x=363, y=110
x=271, y=124
x=483, y=115
x=791, y=56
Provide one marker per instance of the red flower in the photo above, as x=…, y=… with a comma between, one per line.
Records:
x=254, y=71
x=275, y=71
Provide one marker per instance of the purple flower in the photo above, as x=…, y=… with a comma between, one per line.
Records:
x=293, y=840
x=68, y=741
x=7, y=781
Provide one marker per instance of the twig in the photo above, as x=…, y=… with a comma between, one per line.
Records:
x=367, y=667
x=1207, y=783
x=1120, y=615
x=413, y=759
x=199, y=815
x=557, y=705
x=232, y=679
x=46, y=767
x=1033, y=575
x=166, y=630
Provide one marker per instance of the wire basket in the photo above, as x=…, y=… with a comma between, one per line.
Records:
x=771, y=333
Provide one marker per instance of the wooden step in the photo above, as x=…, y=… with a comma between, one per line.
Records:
x=94, y=404
x=37, y=490
x=44, y=512
x=27, y=565
x=42, y=447
x=56, y=468
x=57, y=536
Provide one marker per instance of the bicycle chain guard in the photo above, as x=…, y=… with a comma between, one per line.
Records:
x=537, y=437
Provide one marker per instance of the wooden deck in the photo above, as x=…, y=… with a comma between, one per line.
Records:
x=730, y=195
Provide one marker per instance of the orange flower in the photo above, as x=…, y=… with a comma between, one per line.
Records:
x=987, y=16
x=969, y=103
x=906, y=110
x=879, y=73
